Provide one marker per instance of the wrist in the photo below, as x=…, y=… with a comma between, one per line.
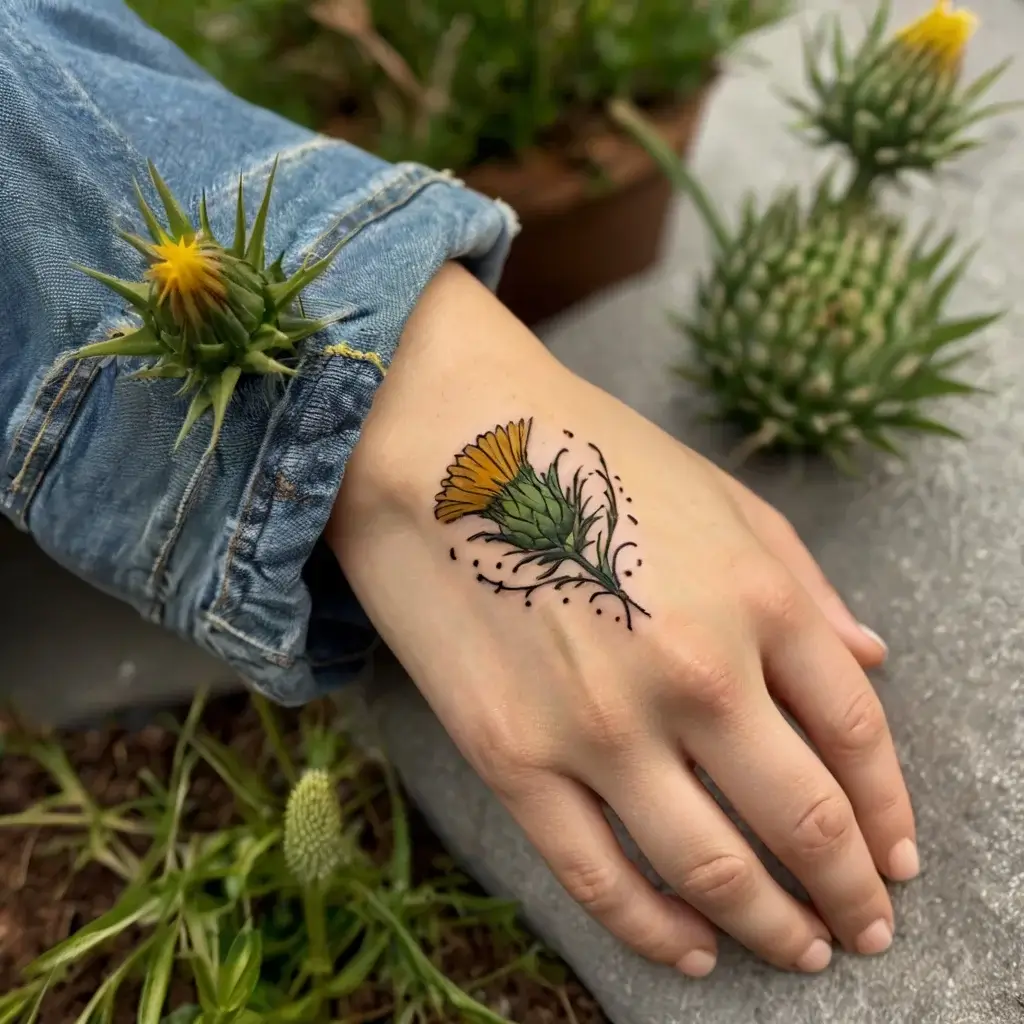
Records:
x=462, y=356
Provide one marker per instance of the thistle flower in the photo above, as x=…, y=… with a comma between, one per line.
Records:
x=543, y=523
x=314, y=846
x=493, y=479
x=209, y=313
x=896, y=103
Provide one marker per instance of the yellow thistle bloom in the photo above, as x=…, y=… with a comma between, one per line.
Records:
x=482, y=471
x=943, y=32
x=187, y=272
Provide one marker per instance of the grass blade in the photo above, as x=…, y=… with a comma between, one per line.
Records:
x=158, y=978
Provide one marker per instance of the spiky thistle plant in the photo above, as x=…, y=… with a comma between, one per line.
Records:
x=314, y=844
x=210, y=313
x=897, y=102
x=821, y=325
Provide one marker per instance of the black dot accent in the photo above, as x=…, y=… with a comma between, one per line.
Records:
x=565, y=600
x=630, y=500
x=569, y=434
x=451, y=554
x=476, y=563
x=629, y=572
x=616, y=477
x=598, y=611
x=633, y=520
x=529, y=604
x=497, y=565
x=639, y=562
x=620, y=490
x=618, y=618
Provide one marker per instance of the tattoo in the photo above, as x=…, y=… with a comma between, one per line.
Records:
x=563, y=534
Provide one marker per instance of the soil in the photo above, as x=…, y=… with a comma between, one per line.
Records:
x=45, y=900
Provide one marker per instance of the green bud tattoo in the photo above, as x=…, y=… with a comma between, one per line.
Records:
x=564, y=534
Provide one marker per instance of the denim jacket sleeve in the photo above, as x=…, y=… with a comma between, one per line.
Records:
x=223, y=549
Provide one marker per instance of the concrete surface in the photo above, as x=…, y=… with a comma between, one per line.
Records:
x=932, y=556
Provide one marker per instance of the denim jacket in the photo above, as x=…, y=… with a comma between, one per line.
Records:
x=225, y=549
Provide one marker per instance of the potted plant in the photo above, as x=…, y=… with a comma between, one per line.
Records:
x=511, y=95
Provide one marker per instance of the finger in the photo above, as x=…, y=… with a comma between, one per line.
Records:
x=697, y=850
x=565, y=822
x=784, y=792
x=776, y=533
x=847, y=724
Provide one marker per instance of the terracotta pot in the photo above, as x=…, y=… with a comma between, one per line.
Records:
x=582, y=232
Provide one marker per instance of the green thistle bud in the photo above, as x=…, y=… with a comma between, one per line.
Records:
x=314, y=846
x=210, y=313
x=896, y=103
x=857, y=353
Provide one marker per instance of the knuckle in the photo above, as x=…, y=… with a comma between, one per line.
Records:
x=501, y=756
x=725, y=879
x=774, y=594
x=594, y=885
x=715, y=687
x=825, y=828
x=863, y=726
x=608, y=724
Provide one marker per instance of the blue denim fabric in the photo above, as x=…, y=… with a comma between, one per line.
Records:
x=225, y=551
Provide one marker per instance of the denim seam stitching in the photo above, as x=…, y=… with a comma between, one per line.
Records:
x=414, y=188
x=63, y=362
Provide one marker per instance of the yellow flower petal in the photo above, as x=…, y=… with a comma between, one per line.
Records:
x=943, y=32
x=481, y=470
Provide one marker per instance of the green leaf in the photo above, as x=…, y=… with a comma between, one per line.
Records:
x=260, y=362
x=139, y=343
x=37, y=1003
x=255, y=253
x=876, y=30
x=14, y=1004
x=204, y=219
x=954, y=330
x=240, y=972
x=158, y=978
x=358, y=969
x=221, y=390
x=103, y=998
x=198, y=406
x=300, y=1012
x=158, y=372
x=206, y=988
x=187, y=1014
x=136, y=292
x=135, y=905
x=985, y=82
x=284, y=294
x=177, y=218
x=155, y=228
x=139, y=244
x=924, y=425
x=238, y=245
x=247, y=786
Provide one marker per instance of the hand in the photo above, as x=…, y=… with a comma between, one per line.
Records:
x=631, y=664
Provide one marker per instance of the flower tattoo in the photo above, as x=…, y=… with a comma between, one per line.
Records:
x=565, y=535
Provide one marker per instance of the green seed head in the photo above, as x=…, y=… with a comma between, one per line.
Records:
x=314, y=846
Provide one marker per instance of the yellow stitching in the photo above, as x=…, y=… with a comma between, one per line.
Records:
x=38, y=440
x=343, y=348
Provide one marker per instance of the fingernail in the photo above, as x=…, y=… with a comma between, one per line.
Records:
x=873, y=636
x=876, y=938
x=698, y=963
x=904, y=862
x=816, y=957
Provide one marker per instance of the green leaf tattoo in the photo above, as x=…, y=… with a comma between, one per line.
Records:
x=566, y=535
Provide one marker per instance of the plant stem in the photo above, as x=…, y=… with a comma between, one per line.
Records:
x=626, y=114
x=273, y=733
x=316, y=929
x=862, y=185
